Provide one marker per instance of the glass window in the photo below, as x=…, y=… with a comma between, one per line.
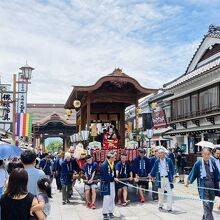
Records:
x=174, y=108
x=194, y=103
x=209, y=99
x=186, y=105
x=181, y=107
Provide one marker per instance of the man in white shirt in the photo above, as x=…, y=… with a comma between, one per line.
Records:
x=164, y=172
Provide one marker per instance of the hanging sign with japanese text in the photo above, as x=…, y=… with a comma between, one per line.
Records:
x=22, y=95
x=6, y=99
x=159, y=119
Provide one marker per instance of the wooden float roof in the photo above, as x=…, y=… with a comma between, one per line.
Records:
x=117, y=81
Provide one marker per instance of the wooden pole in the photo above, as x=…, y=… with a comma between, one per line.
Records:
x=137, y=115
x=14, y=109
x=88, y=113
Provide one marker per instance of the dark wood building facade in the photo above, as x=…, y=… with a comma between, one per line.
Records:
x=106, y=100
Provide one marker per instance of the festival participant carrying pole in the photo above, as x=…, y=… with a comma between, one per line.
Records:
x=164, y=173
x=90, y=169
x=108, y=186
x=123, y=170
x=153, y=158
x=207, y=175
x=141, y=170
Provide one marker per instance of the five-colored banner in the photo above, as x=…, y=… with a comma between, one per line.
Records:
x=24, y=124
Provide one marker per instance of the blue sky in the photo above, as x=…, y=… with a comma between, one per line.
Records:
x=74, y=42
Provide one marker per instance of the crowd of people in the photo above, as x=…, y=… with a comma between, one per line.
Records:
x=25, y=182
x=25, y=189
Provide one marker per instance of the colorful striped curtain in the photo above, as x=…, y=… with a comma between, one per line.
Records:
x=24, y=124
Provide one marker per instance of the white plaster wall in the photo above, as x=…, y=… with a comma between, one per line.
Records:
x=196, y=84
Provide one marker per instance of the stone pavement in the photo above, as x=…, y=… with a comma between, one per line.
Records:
x=76, y=210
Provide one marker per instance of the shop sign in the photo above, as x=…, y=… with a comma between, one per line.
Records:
x=6, y=97
x=159, y=119
x=22, y=95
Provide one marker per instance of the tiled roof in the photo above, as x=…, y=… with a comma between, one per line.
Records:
x=214, y=32
x=194, y=73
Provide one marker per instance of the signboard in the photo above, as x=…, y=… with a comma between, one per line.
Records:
x=6, y=97
x=159, y=119
x=22, y=95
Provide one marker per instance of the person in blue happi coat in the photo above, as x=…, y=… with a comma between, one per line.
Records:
x=141, y=171
x=57, y=169
x=216, y=157
x=171, y=155
x=208, y=177
x=163, y=172
x=123, y=170
x=90, y=168
x=153, y=158
x=68, y=171
x=108, y=186
x=46, y=166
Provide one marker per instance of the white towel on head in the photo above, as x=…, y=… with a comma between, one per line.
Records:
x=67, y=155
x=203, y=172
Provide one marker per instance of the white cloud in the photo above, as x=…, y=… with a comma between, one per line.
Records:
x=76, y=42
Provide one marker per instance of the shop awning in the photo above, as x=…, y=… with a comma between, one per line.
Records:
x=187, y=130
x=159, y=138
x=161, y=131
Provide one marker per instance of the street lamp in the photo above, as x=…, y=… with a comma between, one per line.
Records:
x=26, y=74
x=27, y=71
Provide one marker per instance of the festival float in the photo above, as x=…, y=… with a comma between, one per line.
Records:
x=100, y=118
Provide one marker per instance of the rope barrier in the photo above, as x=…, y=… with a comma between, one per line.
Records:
x=200, y=187
x=147, y=180
x=181, y=197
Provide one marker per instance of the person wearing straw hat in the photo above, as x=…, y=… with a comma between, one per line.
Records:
x=141, y=171
x=107, y=187
x=208, y=177
x=164, y=172
x=90, y=169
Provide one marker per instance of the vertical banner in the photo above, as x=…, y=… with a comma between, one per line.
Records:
x=147, y=121
x=6, y=99
x=22, y=95
x=24, y=124
x=129, y=127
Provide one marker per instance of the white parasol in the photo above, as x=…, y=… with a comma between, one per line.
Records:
x=205, y=144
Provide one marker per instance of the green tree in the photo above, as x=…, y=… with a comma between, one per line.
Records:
x=54, y=146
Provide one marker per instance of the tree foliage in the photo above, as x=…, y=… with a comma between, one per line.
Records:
x=54, y=146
